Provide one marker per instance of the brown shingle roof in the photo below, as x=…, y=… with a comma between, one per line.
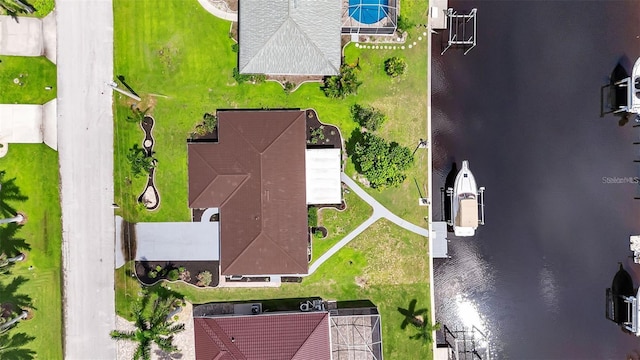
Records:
x=287, y=336
x=255, y=174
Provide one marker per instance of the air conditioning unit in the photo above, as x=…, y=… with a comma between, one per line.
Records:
x=256, y=309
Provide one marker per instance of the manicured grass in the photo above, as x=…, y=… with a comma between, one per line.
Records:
x=386, y=261
x=34, y=73
x=340, y=223
x=35, y=167
x=180, y=51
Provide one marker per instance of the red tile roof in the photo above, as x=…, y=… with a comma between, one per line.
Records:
x=255, y=174
x=286, y=336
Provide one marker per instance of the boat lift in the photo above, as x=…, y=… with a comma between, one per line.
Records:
x=462, y=344
x=631, y=322
x=632, y=83
x=480, y=195
x=457, y=25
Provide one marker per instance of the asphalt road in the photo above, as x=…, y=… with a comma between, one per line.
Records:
x=85, y=136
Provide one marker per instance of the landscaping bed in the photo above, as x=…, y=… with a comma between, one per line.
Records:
x=321, y=135
x=186, y=271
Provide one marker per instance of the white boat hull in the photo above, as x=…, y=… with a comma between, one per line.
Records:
x=465, y=203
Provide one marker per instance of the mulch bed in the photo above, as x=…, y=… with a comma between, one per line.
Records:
x=295, y=79
x=193, y=267
x=332, y=138
x=208, y=137
x=233, y=32
x=340, y=207
x=320, y=229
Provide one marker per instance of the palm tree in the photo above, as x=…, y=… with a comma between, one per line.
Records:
x=10, y=245
x=8, y=294
x=9, y=191
x=412, y=316
x=15, y=7
x=7, y=263
x=152, y=327
x=12, y=347
x=16, y=219
x=13, y=303
x=7, y=325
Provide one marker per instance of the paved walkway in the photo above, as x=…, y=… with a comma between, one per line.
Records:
x=85, y=147
x=218, y=12
x=379, y=212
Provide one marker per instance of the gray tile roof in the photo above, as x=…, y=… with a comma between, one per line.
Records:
x=289, y=37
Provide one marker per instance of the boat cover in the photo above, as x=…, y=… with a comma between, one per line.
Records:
x=467, y=213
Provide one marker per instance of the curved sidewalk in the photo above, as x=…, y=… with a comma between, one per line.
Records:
x=229, y=16
x=379, y=212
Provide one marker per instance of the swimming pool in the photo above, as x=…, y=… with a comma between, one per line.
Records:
x=367, y=11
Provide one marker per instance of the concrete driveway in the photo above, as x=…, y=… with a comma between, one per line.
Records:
x=29, y=36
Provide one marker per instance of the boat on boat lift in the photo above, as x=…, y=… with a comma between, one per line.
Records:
x=632, y=84
x=466, y=202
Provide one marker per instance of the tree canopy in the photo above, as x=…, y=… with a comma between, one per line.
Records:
x=381, y=162
x=339, y=86
x=395, y=66
x=368, y=116
x=152, y=326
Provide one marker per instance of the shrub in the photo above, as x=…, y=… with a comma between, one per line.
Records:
x=405, y=24
x=395, y=66
x=181, y=269
x=141, y=162
x=185, y=276
x=312, y=216
x=317, y=135
x=209, y=121
x=173, y=275
x=138, y=115
x=254, y=78
x=339, y=86
x=204, y=278
x=382, y=163
x=235, y=47
x=240, y=78
x=158, y=268
x=368, y=116
x=288, y=87
x=152, y=274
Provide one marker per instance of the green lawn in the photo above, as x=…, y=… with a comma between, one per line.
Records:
x=34, y=73
x=35, y=167
x=384, y=264
x=340, y=223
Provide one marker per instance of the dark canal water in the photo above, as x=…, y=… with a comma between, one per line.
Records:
x=524, y=108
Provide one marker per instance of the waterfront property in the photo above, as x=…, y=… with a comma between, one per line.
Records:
x=385, y=263
x=257, y=178
x=316, y=329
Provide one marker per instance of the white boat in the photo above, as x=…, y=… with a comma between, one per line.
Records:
x=632, y=83
x=464, y=203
